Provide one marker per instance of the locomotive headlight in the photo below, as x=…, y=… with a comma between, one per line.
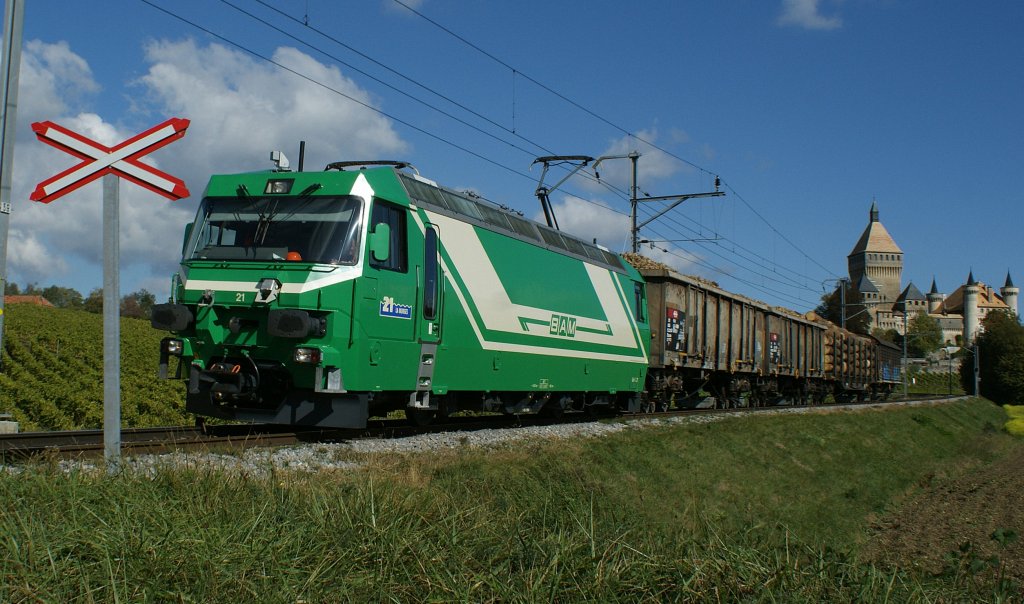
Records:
x=310, y=356
x=174, y=347
x=279, y=186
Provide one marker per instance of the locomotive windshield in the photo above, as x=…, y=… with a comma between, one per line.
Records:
x=308, y=229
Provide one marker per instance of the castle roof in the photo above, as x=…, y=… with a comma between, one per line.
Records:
x=875, y=238
x=910, y=294
x=1009, y=283
x=864, y=285
x=987, y=298
x=935, y=288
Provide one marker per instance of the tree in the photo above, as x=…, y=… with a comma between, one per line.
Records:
x=858, y=320
x=11, y=289
x=1000, y=360
x=924, y=335
x=94, y=301
x=63, y=297
x=138, y=304
x=889, y=335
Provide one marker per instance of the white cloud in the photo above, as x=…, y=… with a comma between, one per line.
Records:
x=680, y=260
x=805, y=14
x=590, y=221
x=31, y=256
x=240, y=110
x=653, y=165
x=52, y=81
x=391, y=5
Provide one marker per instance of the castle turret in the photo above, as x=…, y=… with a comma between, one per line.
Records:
x=934, y=299
x=972, y=321
x=1009, y=294
x=877, y=257
x=910, y=302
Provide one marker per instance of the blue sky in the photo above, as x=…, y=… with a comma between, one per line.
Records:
x=807, y=110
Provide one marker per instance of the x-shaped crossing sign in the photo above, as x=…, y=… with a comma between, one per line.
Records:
x=122, y=160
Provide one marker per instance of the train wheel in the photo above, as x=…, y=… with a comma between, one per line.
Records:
x=420, y=417
x=553, y=409
x=662, y=404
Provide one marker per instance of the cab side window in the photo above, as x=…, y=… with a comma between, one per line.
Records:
x=640, y=302
x=394, y=217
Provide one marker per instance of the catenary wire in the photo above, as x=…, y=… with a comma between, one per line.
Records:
x=606, y=121
x=411, y=80
x=395, y=118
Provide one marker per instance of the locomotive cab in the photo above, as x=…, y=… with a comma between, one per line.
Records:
x=268, y=301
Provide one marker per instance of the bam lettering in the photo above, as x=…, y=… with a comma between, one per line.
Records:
x=563, y=326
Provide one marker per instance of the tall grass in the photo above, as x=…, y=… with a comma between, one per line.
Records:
x=765, y=509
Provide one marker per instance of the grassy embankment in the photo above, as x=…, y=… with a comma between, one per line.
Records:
x=767, y=508
x=1015, y=422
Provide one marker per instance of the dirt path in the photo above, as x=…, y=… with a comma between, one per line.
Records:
x=950, y=514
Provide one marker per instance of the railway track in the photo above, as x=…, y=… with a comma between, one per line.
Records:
x=237, y=437
x=89, y=443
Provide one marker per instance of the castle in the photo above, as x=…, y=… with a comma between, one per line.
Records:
x=876, y=272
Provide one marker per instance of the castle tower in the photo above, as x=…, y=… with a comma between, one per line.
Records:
x=910, y=302
x=934, y=299
x=1009, y=294
x=877, y=257
x=972, y=321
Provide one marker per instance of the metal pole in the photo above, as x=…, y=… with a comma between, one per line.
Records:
x=905, y=372
x=111, y=325
x=949, y=382
x=10, y=64
x=842, y=303
x=977, y=370
x=633, y=230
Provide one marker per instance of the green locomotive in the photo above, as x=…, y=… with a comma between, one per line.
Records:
x=321, y=298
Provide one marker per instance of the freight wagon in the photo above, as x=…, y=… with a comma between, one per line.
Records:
x=741, y=351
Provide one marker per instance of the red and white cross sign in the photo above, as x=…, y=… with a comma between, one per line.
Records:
x=99, y=160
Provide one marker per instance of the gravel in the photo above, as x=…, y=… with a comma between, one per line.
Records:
x=325, y=457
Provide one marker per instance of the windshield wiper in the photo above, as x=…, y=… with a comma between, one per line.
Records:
x=265, y=218
x=313, y=188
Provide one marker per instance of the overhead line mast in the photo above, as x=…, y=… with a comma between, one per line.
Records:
x=634, y=228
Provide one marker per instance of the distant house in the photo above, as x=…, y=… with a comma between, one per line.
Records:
x=37, y=300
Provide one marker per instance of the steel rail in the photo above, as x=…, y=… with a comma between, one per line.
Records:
x=236, y=437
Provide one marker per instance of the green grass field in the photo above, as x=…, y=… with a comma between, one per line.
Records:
x=53, y=371
x=934, y=382
x=763, y=509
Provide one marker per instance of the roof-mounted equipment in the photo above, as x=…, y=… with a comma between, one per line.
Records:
x=281, y=163
x=543, y=192
x=362, y=165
